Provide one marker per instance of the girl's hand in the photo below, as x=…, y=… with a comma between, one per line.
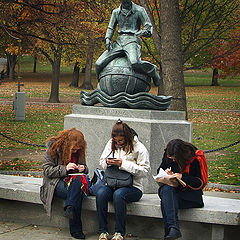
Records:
x=115, y=161
x=169, y=171
x=178, y=175
x=71, y=166
x=81, y=168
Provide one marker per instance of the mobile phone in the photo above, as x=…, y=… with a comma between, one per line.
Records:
x=111, y=158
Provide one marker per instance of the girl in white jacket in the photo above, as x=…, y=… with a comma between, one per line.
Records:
x=129, y=155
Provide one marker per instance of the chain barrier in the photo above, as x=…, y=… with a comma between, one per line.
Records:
x=221, y=148
x=38, y=145
x=29, y=144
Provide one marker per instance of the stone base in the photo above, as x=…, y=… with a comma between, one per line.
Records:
x=154, y=128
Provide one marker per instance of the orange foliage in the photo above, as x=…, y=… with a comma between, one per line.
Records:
x=227, y=53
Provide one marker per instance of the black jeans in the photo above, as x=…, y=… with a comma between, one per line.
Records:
x=74, y=197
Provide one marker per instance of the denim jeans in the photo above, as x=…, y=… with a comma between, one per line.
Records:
x=73, y=196
x=120, y=198
x=169, y=207
x=170, y=203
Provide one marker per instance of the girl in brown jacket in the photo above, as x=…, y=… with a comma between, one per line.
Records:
x=65, y=176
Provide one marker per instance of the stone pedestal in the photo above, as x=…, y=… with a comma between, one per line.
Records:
x=154, y=128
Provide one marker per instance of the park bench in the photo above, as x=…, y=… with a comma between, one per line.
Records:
x=219, y=219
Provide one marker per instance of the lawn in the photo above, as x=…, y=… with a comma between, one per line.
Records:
x=211, y=129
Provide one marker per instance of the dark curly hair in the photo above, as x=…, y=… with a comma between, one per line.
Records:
x=182, y=152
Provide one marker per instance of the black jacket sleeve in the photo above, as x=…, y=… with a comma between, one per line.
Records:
x=193, y=179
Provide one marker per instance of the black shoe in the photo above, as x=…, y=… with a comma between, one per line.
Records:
x=173, y=234
x=156, y=79
x=69, y=212
x=78, y=235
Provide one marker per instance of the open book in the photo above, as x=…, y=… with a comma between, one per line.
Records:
x=72, y=174
x=164, y=178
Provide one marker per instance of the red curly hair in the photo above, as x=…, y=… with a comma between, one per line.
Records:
x=65, y=141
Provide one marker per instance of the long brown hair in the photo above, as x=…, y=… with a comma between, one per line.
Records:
x=122, y=129
x=65, y=141
x=182, y=152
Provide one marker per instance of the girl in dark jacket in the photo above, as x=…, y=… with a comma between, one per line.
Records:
x=179, y=160
x=64, y=160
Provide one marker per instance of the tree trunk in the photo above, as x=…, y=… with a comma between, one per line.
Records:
x=35, y=64
x=54, y=96
x=87, y=84
x=171, y=54
x=8, y=69
x=12, y=60
x=75, y=77
x=156, y=39
x=215, y=77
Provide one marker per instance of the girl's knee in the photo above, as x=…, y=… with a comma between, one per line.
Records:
x=117, y=195
x=102, y=193
x=165, y=189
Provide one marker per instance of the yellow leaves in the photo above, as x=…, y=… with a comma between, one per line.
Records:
x=13, y=50
x=24, y=15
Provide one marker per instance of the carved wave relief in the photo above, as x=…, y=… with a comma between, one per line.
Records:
x=142, y=100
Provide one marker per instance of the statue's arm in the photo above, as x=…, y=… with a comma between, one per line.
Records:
x=111, y=26
x=146, y=31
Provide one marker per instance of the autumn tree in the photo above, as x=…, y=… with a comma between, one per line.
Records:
x=50, y=26
x=226, y=57
x=90, y=40
x=202, y=22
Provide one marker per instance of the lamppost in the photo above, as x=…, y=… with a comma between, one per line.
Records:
x=18, y=65
x=20, y=97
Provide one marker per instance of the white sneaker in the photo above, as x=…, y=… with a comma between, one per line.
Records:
x=103, y=236
x=117, y=236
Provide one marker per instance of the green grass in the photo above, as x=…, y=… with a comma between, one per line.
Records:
x=204, y=78
x=225, y=169
x=18, y=164
x=212, y=130
x=41, y=123
x=27, y=65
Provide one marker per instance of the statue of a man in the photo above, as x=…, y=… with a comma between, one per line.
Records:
x=129, y=17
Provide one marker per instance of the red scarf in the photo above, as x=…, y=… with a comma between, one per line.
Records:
x=84, y=180
x=199, y=155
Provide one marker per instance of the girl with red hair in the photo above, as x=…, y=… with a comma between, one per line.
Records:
x=65, y=170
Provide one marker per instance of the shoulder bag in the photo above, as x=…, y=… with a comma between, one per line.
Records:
x=116, y=178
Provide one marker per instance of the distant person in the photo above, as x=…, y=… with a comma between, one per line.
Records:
x=65, y=158
x=132, y=156
x=181, y=159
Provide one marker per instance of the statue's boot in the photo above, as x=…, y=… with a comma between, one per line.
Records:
x=156, y=78
x=149, y=69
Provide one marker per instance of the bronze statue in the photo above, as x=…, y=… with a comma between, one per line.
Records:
x=129, y=17
x=123, y=78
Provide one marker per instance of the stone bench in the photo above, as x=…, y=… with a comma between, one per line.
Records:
x=219, y=219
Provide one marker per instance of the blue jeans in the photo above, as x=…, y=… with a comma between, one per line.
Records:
x=169, y=207
x=120, y=198
x=170, y=203
x=73, y=196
